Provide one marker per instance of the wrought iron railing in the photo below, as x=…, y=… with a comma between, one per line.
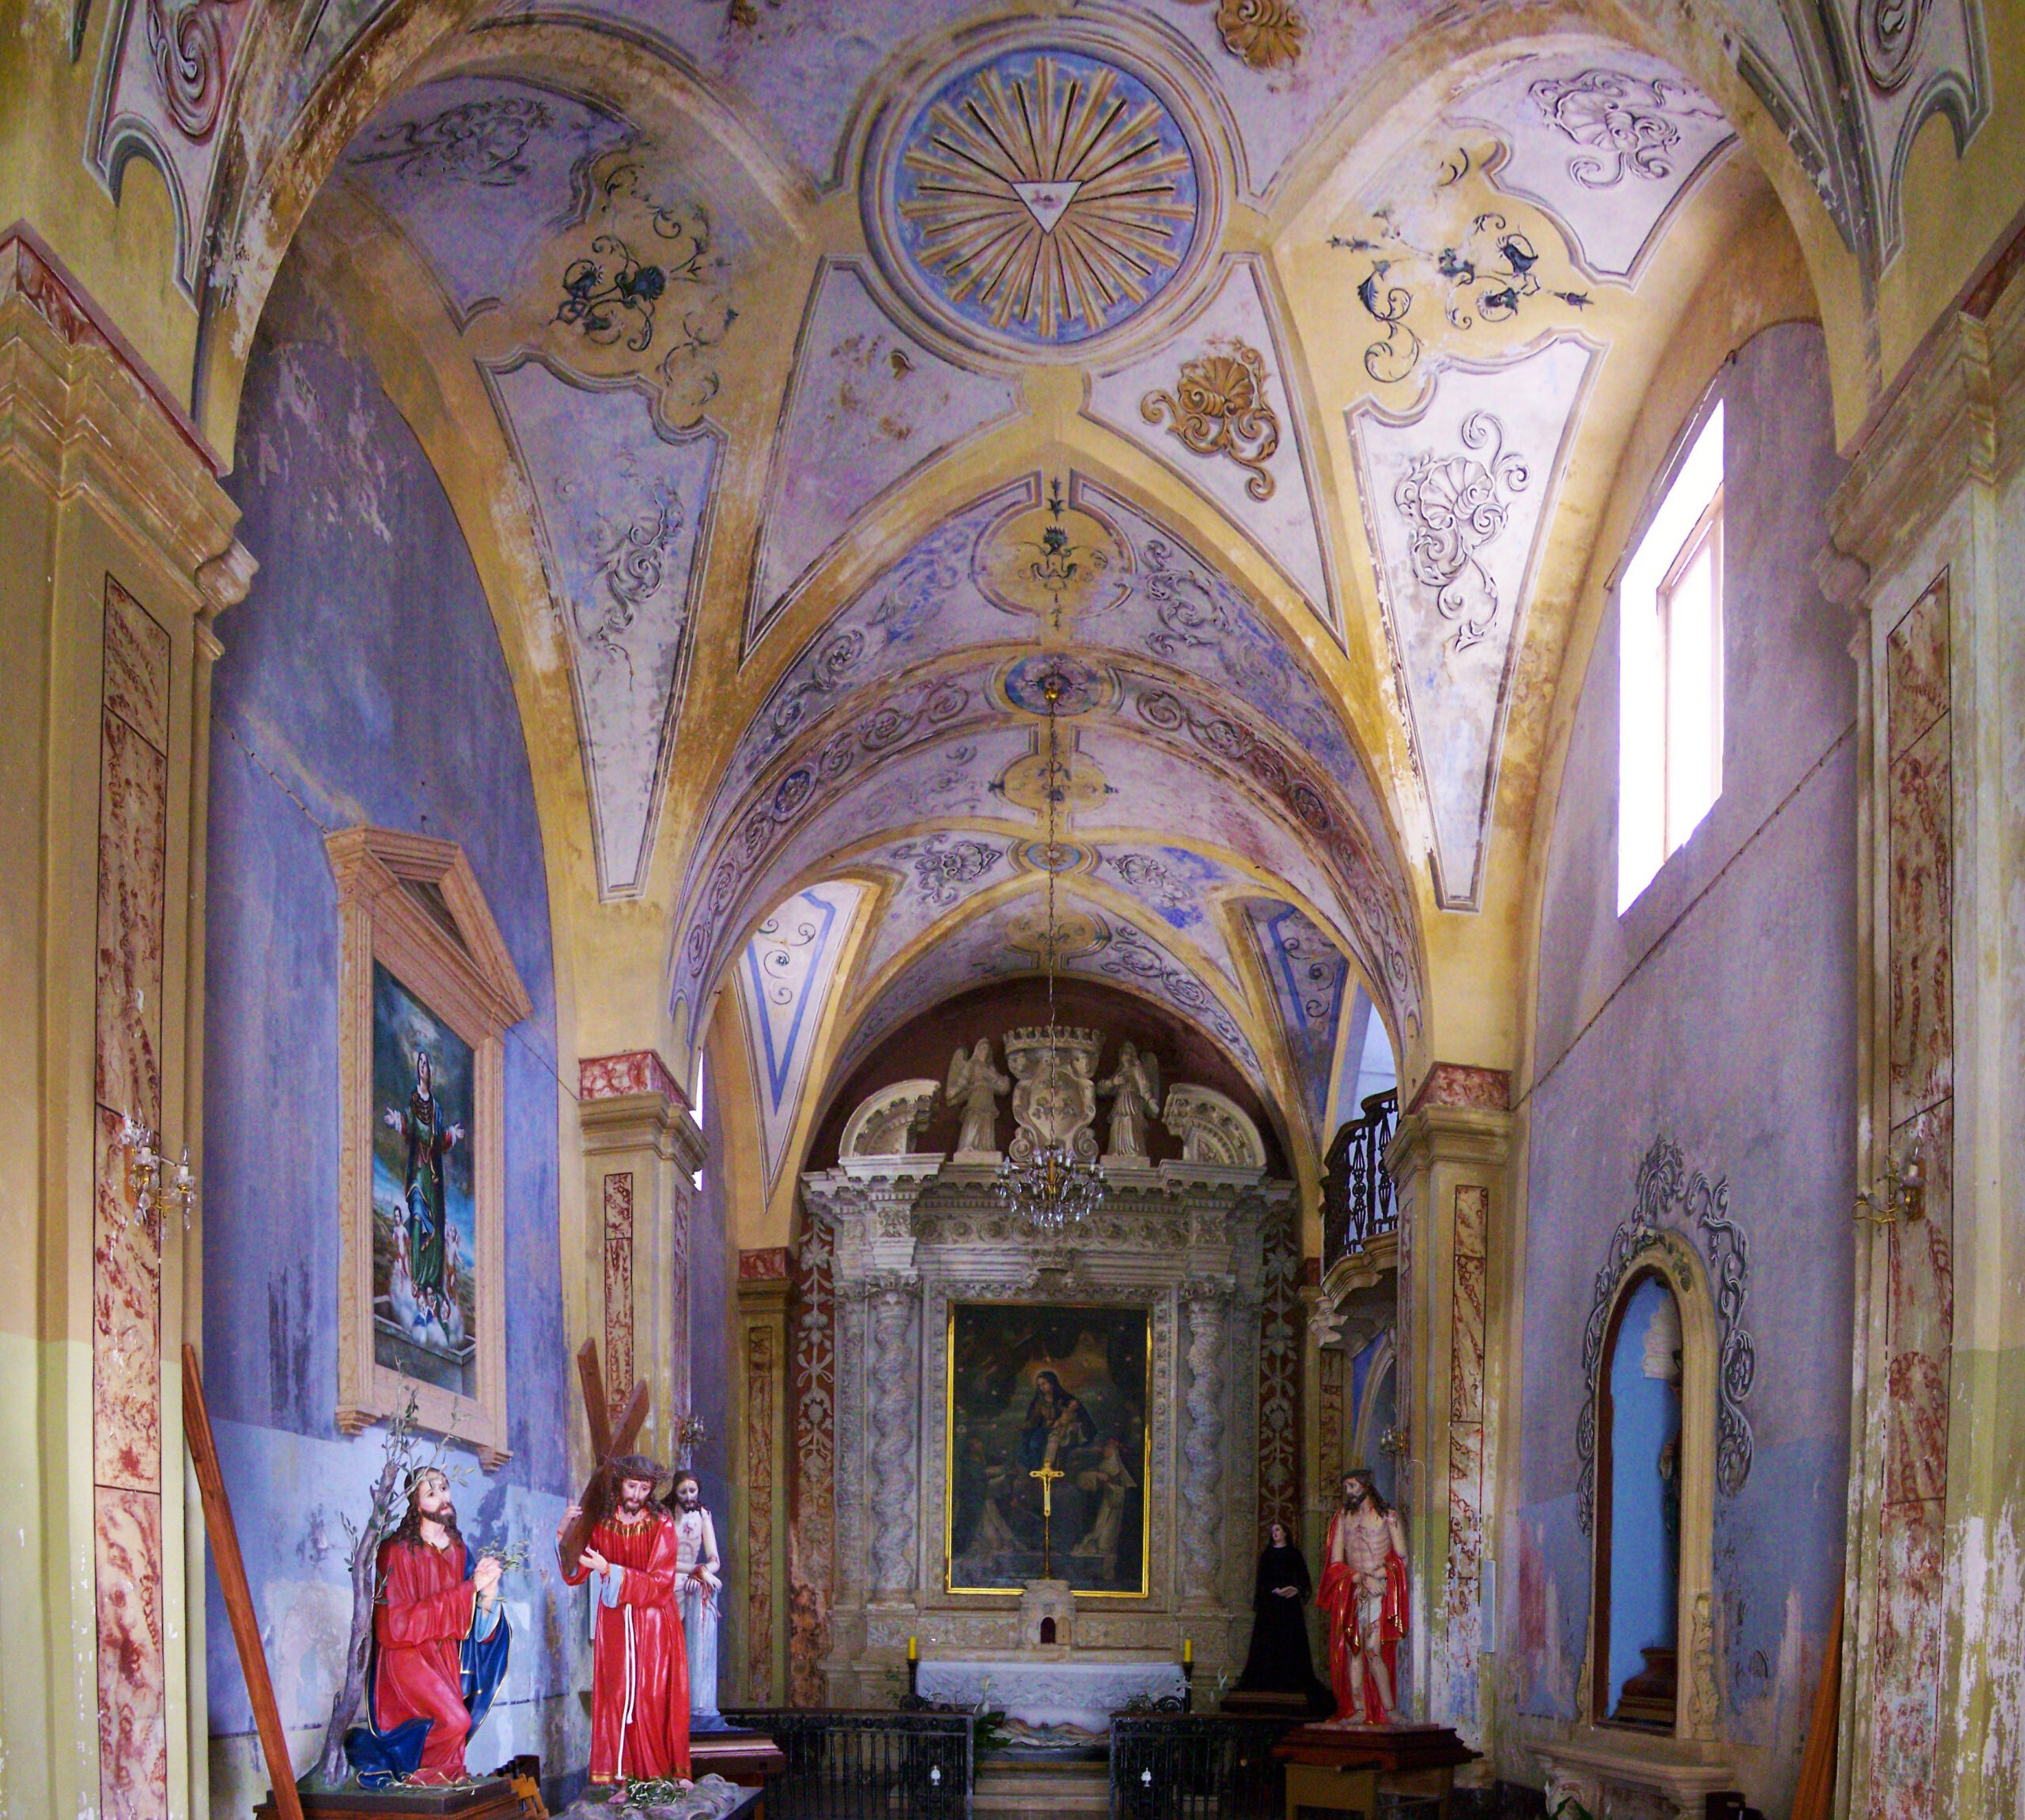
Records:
x=1357, y=1192
x=1196, y=1766
x=866, y=1765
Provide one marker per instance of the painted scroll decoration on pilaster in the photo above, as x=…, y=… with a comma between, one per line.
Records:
x=1457, y=494
x=126, y=1250
x=811, y=1497
x=618, y=1289
x=1669, y=1199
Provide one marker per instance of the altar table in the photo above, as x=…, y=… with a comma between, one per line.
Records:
x=1078, y=1691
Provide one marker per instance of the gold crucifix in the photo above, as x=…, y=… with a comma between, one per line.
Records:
x=1047, y=1473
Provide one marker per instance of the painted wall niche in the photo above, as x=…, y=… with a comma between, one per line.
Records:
x=1651, y=1665
x=426, y=993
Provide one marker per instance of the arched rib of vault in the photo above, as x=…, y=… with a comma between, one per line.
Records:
x=951, y=709
x=285, y=146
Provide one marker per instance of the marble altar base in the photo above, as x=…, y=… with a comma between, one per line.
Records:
x=1082, y=1691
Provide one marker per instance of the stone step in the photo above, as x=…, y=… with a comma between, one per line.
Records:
x=1042, y=1788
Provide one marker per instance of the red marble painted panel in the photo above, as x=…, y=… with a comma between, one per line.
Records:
x=1329, y=1417
x=617, y=1288
x=1455, y=1083
x=1922, y=898
x=135, y=685
x=1279, y=1386
x=619, y=1076
x=1466, y=1360
x=769, y=1264
x=678, y=1268
x=1922, y=1318
x=759, y=1505
x=1465, y=1470
x=132, y=838
x=1916, y=687
x=1905, y=1685
x=812, y=1489
x=126, y=1328
x=133, y=1726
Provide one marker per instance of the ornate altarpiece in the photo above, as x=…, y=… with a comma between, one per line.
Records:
x=409, y=911
x=901, y=1238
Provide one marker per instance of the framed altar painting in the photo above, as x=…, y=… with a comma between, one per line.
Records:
x=1048, y=1448
x=425, y=994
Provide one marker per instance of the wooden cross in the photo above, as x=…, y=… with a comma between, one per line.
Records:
x=606, y=1446
x=238, y=1595
x=1047, y=1475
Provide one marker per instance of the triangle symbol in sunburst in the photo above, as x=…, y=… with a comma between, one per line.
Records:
x=1046, y=202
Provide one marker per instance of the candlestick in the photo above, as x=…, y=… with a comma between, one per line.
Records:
x=914, y=1649
x=1188, y=1649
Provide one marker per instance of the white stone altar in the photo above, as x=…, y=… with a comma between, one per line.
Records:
x=1082, y=1694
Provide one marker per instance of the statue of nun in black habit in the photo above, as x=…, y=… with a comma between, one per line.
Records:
x=1278, y=1662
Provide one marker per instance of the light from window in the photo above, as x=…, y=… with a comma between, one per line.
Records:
x=1670, y=681
x=696, y=1099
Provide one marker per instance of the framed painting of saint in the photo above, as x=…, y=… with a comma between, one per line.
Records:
x=1047, y=1448
x=426, y=993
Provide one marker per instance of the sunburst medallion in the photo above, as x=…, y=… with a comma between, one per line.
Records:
x=1045, y=197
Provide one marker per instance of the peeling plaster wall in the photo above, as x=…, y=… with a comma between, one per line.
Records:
x=363, y=681
x=1719, y=1011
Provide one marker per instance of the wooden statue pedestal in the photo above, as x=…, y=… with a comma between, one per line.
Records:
x=492, y=1799
x=1336, y=1768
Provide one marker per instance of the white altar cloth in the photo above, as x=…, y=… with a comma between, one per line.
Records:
x=1074, y=1690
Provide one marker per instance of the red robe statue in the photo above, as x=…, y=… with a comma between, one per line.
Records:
x=1338, y=1600
x=427, y=1610
x=640, y=1663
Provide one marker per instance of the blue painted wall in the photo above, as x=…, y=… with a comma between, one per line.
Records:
x=363, y=681
x=1719, y=1011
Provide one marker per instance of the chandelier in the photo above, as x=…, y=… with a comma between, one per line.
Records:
x=1055, y=1191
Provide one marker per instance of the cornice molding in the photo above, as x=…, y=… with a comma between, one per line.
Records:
x=1958, y=416
x=81, y=415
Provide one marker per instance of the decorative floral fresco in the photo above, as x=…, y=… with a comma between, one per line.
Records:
x=1457, y=497
x=1309, y=979
x=480, y=171
x=785, y=978
x=1215, y=408
x=867, y=405
x=623, y=514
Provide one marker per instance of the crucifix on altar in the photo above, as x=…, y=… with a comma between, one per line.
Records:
x=1047, y=1473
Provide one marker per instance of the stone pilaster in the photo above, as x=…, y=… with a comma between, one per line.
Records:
x=116, y=554
x=1447, y=1161
x=1928, y=538
x=642, y=1151
x=1205, y=1304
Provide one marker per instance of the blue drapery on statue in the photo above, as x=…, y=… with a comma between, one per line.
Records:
x=380, y=1757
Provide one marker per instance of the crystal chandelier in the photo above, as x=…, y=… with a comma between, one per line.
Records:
x=1055, y=1191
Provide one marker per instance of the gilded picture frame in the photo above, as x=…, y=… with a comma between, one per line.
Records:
x=1064, y=1388
x=426, y=992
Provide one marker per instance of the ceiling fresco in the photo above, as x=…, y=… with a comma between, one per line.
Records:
x=784, y=978
x=858, y=368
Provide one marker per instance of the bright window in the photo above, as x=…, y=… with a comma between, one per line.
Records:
x=1670, y=683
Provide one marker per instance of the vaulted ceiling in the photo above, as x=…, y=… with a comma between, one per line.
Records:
x=1257, y=372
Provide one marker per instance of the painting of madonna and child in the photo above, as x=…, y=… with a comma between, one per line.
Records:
x=1047, y=1448
x=424, y=1206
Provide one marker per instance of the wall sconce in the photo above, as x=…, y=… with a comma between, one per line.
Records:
x=1905, y=1198
x=145, y=1166
x=1394, y=1444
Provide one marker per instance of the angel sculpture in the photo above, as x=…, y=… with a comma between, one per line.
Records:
x=1134, y=1088
x=977, y=1086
